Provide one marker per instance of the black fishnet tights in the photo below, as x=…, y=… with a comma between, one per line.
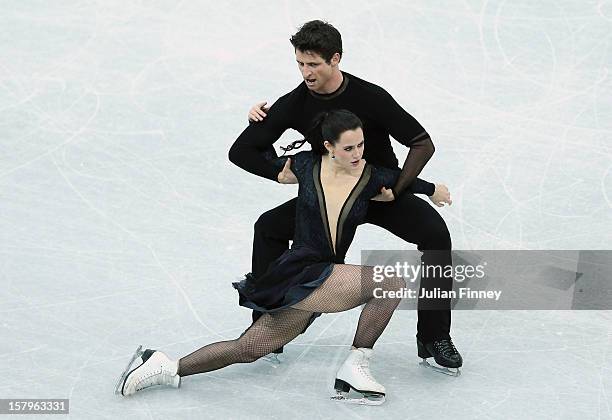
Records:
x=347, y=287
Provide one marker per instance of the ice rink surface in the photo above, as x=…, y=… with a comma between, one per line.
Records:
x=122, y=222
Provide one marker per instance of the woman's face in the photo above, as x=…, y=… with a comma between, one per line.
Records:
x=348, y=150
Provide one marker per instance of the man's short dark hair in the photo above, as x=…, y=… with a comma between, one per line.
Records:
x=318, y=37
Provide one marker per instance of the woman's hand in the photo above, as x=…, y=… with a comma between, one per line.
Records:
x=258, y=112
x=441, y=195
x=286, y=176
x=385, y=195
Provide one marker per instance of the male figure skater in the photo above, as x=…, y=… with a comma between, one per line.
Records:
x=318, y=51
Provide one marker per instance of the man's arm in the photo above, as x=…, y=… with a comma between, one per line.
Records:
x=420, y=152
x=389, y=177
x=404, y=128
x=246, y=152
x=437, y=193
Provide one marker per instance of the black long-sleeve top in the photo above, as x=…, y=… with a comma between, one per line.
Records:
x=380, y=114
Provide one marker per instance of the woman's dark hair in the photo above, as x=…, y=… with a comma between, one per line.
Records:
x=327, y=126
x=318, y=37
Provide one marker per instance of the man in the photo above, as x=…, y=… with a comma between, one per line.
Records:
x=318, y=51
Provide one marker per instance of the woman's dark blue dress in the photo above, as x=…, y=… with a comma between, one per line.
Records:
x=304, y=267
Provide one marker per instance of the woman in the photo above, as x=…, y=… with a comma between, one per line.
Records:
x=335, y=186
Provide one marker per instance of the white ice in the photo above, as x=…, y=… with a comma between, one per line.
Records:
x=122, y=221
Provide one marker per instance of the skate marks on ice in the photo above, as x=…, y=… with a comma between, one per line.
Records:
x=272, y=359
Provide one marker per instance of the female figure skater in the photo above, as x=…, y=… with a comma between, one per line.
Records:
x=335, y=186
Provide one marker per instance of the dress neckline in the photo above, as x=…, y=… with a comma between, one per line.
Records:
x=346, y=206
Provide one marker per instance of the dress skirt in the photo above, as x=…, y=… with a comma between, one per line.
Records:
x=290, y=279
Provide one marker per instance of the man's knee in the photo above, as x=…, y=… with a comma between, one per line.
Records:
x=436, y=236
x=275, y=225
x=264, y=223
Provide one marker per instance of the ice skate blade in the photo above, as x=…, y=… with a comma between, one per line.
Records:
x=344, y=391
x=136, y=355
x=273, y=359
x=365, y=399
x=441, y=369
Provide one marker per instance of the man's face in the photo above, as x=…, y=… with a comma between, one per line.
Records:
x=316, y=73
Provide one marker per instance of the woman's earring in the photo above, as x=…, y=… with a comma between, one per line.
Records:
x=333, y=156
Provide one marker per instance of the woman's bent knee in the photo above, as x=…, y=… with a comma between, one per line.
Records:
x=395, y=283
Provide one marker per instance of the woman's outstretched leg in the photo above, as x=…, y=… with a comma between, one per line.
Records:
x=269, y=332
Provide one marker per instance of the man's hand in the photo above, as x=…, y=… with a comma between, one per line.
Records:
x=258, y=112
x=286, y=176
x=441, y=195
x=385, y=195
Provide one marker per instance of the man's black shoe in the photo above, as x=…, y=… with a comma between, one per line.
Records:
x=445, y=354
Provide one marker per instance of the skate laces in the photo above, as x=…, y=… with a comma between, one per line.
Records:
x=445, y=347
x=158, y=376
x=364, y=367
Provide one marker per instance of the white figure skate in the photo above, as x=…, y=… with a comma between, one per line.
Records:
x=154, y=368
x=354, y=374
